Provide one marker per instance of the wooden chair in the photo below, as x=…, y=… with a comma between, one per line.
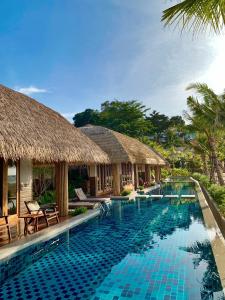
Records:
x=49, y=213
x=5, y=226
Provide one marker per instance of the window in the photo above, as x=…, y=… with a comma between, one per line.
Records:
x=12, y=187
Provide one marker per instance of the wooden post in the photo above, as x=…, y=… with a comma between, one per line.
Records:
x=116, y=173
x=61, y=179
x=4, y=187
x=93, y=180
x=157, y=174
x=133, y=175
x=147, y=174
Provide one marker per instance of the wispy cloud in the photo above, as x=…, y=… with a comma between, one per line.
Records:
x=30, y=90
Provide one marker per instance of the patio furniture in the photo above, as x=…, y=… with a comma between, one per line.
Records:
x=82, y=197
x=34, y=208
x=6, y=226
x=104, y=202
x=31, y=219
x=88, y=205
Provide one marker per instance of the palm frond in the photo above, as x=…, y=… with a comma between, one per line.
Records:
x=197, y=15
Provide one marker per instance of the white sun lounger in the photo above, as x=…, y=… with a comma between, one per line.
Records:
x=156, y=196
x=188, y=196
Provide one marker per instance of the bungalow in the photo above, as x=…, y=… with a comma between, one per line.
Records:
x=132, y=162
x=31, y=133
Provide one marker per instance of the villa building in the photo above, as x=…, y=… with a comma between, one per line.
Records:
x=31, y=134
x=132, y=162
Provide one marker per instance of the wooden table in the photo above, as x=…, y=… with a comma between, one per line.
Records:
x=31, y=219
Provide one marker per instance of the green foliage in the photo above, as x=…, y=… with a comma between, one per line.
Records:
x=141, y=187
x=125, y=192
x=216, y=191
x=165, y=173
x=47, y=197
x=71, y=190
x=127, y=117
x=180, y=172
x=203, y=179
x=78, y=211
x=196, y=15
x=89, y=116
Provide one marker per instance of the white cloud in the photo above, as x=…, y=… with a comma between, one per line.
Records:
x=31, y=90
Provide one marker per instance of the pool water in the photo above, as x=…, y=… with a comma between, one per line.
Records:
x=145, y=249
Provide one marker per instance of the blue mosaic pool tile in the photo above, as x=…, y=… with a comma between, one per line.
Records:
x=140, y=250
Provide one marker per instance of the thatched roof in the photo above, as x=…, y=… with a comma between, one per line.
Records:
x=28, y=129
x=122, y=148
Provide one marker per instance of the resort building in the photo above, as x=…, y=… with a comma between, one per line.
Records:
x=33, y=134
x=132, y=162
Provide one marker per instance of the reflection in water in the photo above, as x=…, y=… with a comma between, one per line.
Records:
x=138, y=251
x=210, y=281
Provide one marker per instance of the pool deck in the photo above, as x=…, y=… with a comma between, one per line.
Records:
x=215, y=235
x=45, y=234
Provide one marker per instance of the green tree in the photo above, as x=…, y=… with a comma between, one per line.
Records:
x=160, y=124
x=197, y=15
x=128, y=117
x=89, y=116
x=207, y=117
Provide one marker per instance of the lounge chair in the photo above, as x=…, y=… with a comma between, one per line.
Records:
x=82, y=197
x=5, y=226
x=88, y=205
x=33, y=207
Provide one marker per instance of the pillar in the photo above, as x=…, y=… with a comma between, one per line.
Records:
x=93, y=180
x=116, y=173
x=61, y=179
x=147, y=174
x=4, y=186
x=25, y=184
x=157, y=174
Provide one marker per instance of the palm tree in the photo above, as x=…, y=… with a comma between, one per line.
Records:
x=197, y=15
x=208, y=117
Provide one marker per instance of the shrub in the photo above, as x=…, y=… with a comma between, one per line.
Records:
x=125, y=192
x=216, y=191
x=203, y=179
x=47, y=197
x=141, y=187
x=180, y=172
x=71, y=190
x=165, y=173
x=78, y=211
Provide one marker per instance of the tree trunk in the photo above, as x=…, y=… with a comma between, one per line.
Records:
x=216, y=161
x=205, y=166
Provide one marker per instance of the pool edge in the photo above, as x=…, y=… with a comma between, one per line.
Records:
x=218, y=241
x=9, y=250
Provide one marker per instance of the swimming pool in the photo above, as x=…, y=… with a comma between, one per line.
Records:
x=141, y=250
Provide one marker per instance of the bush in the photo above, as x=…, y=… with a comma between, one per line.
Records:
x=165, y=173
x=125, y=192
x=78, y=211
x=180, y=172
x=47, y=197
x=203, y=179
x=141, y=187
x=216, y=191
x=71, y=190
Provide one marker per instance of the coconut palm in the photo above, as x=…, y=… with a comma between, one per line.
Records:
x=208, y=117
x=197, y=15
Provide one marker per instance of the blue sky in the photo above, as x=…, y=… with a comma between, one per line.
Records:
x=74, y=54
